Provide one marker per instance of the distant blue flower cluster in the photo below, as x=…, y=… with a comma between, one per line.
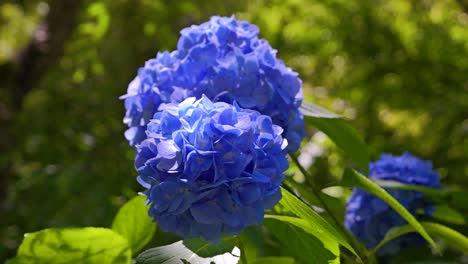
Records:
x=210, y=168
x=369, y=218
x=227, y=61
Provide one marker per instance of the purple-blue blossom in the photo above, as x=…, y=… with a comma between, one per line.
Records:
x=226, y=60
x=210, y=168
x=369, y=218
x=154, y=84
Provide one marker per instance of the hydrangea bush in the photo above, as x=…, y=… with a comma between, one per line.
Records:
x=226, y=60
x=210, y=168
x=369, y=218
x=213, y=123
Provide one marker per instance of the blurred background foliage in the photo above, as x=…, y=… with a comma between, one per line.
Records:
x=398, y=70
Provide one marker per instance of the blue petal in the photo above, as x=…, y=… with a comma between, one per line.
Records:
x=207, y=213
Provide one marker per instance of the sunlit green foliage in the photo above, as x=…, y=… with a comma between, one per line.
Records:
x=398, y=70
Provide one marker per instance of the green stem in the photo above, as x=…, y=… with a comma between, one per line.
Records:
x=347, y=259
x=325, y=207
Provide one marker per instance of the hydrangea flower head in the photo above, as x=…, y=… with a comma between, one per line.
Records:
x=210, y=168
x=153, y=85
x=369, y=218
x=226, y=60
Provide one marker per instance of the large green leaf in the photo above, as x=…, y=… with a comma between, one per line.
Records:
x=319, y=227
x=192, y=250
x=344, y=135
x=273, y=260
x=134, y=224
x=74, y=245
x=453, y=238
x=352, y=178
x=302, y=245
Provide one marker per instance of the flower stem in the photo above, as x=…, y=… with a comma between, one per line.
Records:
x=316, y=191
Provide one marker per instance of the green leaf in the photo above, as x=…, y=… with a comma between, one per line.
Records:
x=458, y=199
x=12, y=261
x=335, y=204
x=432, y=262
x=312, y=110
x=74, y=245
x=452, y=237
x=352, y=178
x=252, y=242
x=134, y=224
x=318, y=226
x=192, y=250
x=448, y=214
x=415, y=254
x=290, y=233
x=344, y=135
x=273, y=260
x=432, y=192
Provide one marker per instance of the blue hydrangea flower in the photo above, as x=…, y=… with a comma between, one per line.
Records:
x=226, y=60
x=210, y=168
x=369, y=218
x=154, y=84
